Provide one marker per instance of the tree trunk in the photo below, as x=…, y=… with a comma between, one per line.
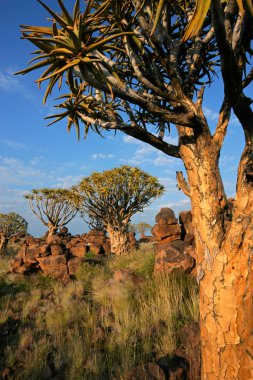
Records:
x=3, y=243
x=51, y=230
x=224, y=247
x=119, y=240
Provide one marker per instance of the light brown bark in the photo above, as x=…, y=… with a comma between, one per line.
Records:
x=51, y=230
x=118, y=240
x=3, y=243
x=224, y=246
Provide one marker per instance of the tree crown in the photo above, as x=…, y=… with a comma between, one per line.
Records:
x=11, y=224
x=113, y=196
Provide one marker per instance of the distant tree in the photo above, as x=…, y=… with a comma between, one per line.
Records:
x=53, y=207
x=10, y=225
x=142, y=228
x=114, y=196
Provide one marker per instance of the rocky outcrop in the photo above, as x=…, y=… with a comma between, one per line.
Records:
x=59, y=255
x=175, y=242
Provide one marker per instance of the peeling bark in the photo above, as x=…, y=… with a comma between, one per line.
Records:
x=3, y=243
x=224, y=248
x=119, y=240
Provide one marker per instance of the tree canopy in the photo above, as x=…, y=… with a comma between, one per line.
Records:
x=53, y=207
x=114, y=196
x=10, y=225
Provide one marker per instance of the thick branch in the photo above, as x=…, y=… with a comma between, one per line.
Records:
x=182, y=184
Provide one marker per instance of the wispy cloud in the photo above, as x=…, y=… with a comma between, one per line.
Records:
x=13, y=144
x=9, y=83
x=97, y=156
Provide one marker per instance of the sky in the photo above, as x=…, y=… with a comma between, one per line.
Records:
x=34, y=156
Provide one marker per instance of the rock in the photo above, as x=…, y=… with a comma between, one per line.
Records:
x=73, y=265
x=30, y=254
x=56, y=250
x=64, y=231
x=55, y=266
x=79, y=250
x=185, y=217
x=189, y=348
x=16, y=263
x=21, y=354
x=171, y=231
x=124, y=275
x=96, y=249
x=166, y=216
x=175, y=367
x=54, y=240
x=171, y=256
x=149, y=371
x=43, y=249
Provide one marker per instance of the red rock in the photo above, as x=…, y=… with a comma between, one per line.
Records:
x=185, y=217
x=42, y=249
x=124, y=275
x=166, y=216
x=189, y=348
x=149, y=371
x=79, y=250
x=171, y=256
x=54, y=240
x=167, y=230
x=96, y=249
x=30, y=255
x=73, y=265
x=56, y=250
x=54, y=265
x=16, y=263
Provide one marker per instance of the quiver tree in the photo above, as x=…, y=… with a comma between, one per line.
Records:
x=113, y=197
x=53, y=207
x=141, y=228
x=11, y=224
x=139, y=58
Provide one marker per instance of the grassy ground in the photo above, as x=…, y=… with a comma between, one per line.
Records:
x=91, y=328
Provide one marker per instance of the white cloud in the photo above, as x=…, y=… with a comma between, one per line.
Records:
x=9, y=83
x=96, y=156
x=67, y=181
x=210, y=114
x=13, y=144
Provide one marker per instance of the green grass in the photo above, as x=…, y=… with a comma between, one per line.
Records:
x=94, y=328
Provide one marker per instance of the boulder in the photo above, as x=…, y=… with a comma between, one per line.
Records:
x=172, y=256
x=79, y=250
x=185, y=217
x=73, y=265
x=149, y=371
x=97, y=249
x=166, y=216
x=56, y=249
x=189, y=348
x=55, y=266
x=54, y=240
x=170, y=231
x=124, y=275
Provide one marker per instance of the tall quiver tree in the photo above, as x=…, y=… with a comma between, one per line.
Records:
x=10, y=225
x=53, y=207
x=113, y=197
x=140, y=57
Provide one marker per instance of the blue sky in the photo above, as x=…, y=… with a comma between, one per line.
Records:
x=34, y=156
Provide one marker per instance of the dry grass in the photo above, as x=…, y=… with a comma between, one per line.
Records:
x=93, y=328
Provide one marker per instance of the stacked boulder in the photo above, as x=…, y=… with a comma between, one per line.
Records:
x=59, y=255
x=175, y=242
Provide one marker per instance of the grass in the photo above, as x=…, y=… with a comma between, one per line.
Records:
x=93, y=328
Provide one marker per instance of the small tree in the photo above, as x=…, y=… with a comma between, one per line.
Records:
x=53, y=207
x=113, y=197
x=142, y=227
x=10, y=225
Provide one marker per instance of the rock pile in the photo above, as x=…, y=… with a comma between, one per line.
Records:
x=59, y=255
x=175, y=242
